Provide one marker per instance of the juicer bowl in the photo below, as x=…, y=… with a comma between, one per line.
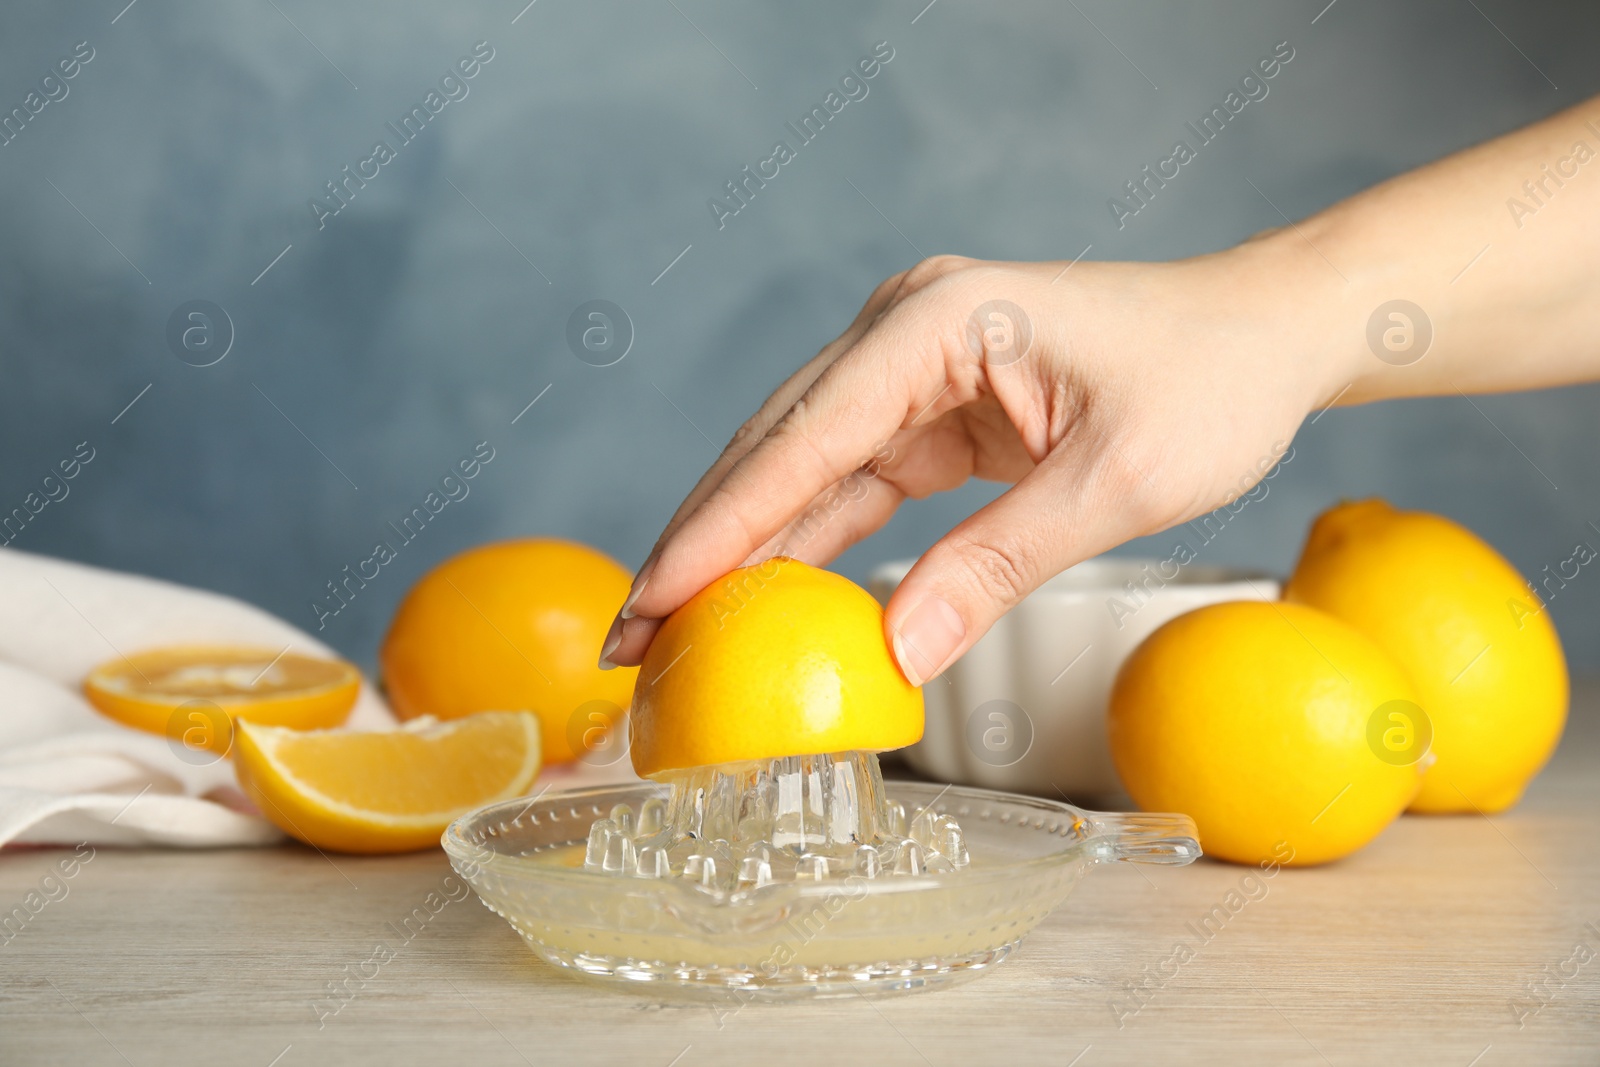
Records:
x=838, y=936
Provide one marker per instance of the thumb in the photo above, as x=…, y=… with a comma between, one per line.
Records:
x=1066, y=509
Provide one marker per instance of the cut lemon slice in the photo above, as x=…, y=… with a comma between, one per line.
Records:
x=392, y=791
x=191, y=693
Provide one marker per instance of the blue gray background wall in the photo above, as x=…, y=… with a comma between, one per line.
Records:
x=425, y=316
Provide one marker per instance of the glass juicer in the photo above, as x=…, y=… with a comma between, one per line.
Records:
x=803, y=876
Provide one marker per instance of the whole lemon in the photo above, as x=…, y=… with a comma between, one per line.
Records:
x=776, y=659
x=1254, y=718
x=1476, y=641
x=512, y=626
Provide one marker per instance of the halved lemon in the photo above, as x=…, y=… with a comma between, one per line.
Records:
x=777, y=659
x=192, y=693
x=388, y=791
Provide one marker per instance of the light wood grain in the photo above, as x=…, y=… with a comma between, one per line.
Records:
x=1415, y=951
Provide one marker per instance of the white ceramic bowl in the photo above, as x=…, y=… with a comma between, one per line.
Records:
x=1025, y=709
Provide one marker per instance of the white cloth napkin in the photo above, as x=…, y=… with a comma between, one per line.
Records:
x=69, y=775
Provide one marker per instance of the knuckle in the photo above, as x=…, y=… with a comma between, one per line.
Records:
x=887, y=289
x=789, y=424
x=726, y=514
x=796, y=447
x=1000, y=572
x=931, y=270
x=745, y=436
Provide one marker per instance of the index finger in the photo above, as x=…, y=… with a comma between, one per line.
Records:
x=775, y=406
x=835, y=427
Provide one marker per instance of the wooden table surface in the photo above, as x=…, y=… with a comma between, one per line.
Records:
x=1448, y=941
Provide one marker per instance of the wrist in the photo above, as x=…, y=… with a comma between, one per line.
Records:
x=1306, y=314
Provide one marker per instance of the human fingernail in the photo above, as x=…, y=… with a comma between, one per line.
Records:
x=613, y=639
x=636, y=590
x=927, y=638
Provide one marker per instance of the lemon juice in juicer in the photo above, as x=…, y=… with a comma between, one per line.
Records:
x=766, y=854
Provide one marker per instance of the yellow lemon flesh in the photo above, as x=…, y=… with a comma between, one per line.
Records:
x=1476, y=641
x=192, y=692
x=509, y=626
x=388, y=791
x=1254, y=719
x=777, y=659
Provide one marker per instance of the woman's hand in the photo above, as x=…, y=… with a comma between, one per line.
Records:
x=1124, y=398
x=1120, y=399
